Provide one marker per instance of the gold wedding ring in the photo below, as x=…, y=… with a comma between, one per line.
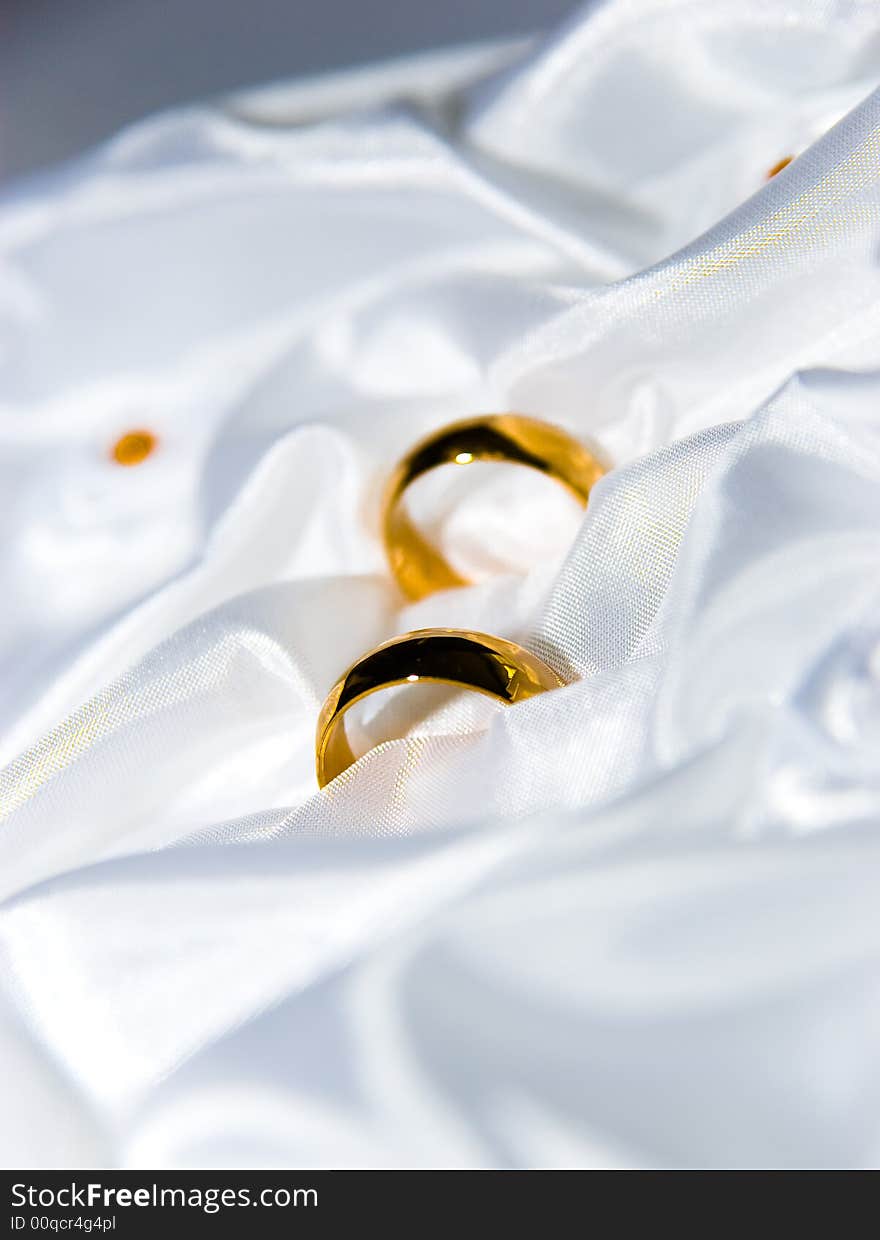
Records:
x=419, y=567
x=490, y=665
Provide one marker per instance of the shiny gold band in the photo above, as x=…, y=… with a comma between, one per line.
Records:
x=419, y=568
x=490, y=665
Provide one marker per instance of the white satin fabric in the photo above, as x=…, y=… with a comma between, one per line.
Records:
x=629, y=923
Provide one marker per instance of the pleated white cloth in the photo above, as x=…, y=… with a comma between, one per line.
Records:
x=630, y=923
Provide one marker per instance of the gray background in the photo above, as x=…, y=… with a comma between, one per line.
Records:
x=74, y=71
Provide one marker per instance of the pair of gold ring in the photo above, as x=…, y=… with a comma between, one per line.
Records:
x=490, y=665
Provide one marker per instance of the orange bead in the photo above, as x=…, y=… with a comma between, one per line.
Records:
x=134, y=447
x=778, y=166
